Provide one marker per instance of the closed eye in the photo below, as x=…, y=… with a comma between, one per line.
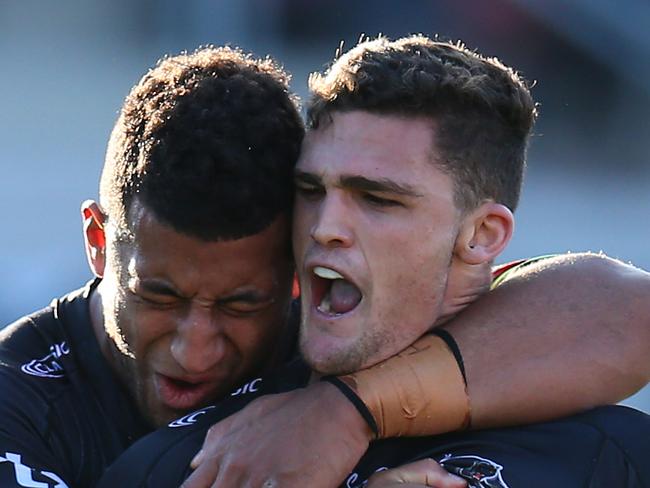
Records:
x=245, y=303
x=308, y=191
x=156, y=301
x=243, y=308
x=154, y=292
x=378, y=201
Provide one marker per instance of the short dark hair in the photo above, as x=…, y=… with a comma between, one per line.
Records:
x=207, y=141
x=482, y=111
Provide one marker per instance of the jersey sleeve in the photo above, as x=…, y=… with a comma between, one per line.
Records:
x=503, y=272
x=623, y=459
x=27, y=457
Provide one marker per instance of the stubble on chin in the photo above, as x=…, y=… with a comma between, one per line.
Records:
x=133, y=381
x=361, y=353
x=146, y=401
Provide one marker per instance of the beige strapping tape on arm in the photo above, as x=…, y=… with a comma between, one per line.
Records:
x=419, y=392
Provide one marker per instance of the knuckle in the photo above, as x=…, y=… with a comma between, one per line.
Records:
x=427, y=466
x=212, y=432
x=379, y=476
x=235, y=465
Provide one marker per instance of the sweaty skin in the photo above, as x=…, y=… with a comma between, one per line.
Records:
x=569, y=358
x=577, y=327
x=558, y=337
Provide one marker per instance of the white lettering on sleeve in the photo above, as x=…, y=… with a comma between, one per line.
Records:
x=24, y=473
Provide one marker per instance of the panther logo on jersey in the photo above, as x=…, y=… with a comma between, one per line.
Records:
x=477, y=471
x=48, y=366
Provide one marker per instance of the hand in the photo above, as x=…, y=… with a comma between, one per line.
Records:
x=465, y=285
x=425, y=472
x=310, y=436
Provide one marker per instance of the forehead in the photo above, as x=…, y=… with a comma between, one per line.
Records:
x=213, y=267
x=381, y=146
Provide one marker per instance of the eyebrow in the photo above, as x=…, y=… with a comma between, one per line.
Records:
x=356, y=182
x=158, y=287
x=382, y=185
x=308, y=178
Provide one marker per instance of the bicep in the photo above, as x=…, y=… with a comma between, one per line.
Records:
x=564, y=334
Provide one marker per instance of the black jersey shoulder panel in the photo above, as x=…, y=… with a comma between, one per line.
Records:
x=63, y=411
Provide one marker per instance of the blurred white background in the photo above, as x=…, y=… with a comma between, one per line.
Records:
x=67, y=66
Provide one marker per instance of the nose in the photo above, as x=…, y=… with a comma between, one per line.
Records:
x=199, y=343
x=332, y=227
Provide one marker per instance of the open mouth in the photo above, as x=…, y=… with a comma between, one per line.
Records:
x=180, y=384
x=332, y=293
x=182, y=395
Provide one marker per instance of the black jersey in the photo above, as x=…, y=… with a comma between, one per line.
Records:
x=606, y=447
x=64, y=416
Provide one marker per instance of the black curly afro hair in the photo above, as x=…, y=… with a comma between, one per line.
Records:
x=207, y=141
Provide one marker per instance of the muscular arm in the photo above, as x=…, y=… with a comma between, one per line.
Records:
x=561, y=335
x=556, y=338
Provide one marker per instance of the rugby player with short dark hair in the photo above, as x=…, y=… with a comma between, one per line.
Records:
x=405, y=188
x=189, y=244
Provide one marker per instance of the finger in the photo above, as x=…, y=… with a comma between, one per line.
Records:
x=399, y=484
x=425, y=472
x=211, y=438
x=231, y=476
x=203, y=476
x=198, y=459
x=436, y=475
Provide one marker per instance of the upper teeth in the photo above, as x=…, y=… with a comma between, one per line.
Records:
x=327, y=273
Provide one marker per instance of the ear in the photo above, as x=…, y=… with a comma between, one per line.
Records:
x=485, y=232
x=93, y=219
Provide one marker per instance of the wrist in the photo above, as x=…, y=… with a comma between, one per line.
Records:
x=420, y=391
x=350, y=414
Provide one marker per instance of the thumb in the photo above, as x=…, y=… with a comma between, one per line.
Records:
x=425, y=472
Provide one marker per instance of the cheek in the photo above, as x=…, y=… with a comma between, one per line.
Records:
x=301, y=226
x=400, y=255
x=411, y=280
x=257, y=337
x=142, y=327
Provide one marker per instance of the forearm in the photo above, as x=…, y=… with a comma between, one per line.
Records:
x=566, y=334
x=559, y=336
x=575, y=336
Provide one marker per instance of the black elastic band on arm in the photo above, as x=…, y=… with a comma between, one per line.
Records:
x=453, y=345
x=351, y=395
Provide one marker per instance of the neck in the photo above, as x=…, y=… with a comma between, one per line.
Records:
x=97, y=317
